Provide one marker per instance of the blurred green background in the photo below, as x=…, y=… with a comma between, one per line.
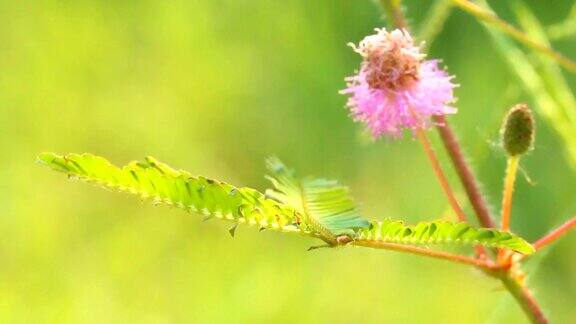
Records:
x=215, y=86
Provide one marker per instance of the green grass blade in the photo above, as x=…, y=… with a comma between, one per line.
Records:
x=434, y=21
x=534, y=85
x=564, y=29
x=551, y=73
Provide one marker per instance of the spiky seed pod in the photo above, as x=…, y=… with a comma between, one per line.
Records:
x=518, y=130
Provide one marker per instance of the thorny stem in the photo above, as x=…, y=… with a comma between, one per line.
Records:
x=555, y=234
x=480, y=263
x=423, y=138
x=509, y=180
x=464, y=171
x=521, y=293
x=489, y=17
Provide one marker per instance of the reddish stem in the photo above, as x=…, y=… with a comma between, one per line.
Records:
x=464, y=171
x=524, y=297
x=485, y=264
x=555, y=234
x=394, y=12
x=522, y=294
x=420, y=133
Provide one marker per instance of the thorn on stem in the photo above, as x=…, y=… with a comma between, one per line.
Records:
x=316, y=247
x=232, y=230
x=206, y=218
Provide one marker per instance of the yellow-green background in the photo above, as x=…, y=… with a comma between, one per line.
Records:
x=215, y=86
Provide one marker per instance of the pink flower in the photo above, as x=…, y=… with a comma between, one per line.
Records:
x=396, y=88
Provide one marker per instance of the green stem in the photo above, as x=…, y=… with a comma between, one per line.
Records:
x=509, y=180
x=508, y=194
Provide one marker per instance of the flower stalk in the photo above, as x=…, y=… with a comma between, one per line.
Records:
x=464, y=171
x=517, y=139
x=429, y=150
x=451, y=144
x=393, y=10
x=504, y=257
x=506, y=273
x=509, y=181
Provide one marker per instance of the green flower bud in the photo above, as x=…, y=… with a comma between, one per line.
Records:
x=518, y=130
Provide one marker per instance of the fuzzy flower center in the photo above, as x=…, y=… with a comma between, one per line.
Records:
x=391, y=61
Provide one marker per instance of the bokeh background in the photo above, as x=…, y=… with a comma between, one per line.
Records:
x=215, y=86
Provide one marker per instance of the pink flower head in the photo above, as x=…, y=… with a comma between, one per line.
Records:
x=396, y=88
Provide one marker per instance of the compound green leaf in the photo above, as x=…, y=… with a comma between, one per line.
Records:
x=314, y=207
x=325, y=204
x=442, y=233
x=155, y=181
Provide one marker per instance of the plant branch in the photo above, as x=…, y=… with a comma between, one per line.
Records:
x=480, y=263
x=393, y=10
x=423, y=138
x=504, y=257
x=521, y=293
x=524, y=297
x=509, y=180
x=491, y=18
x=464, y=171
x=555, y=234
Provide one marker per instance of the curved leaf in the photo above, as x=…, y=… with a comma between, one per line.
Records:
x=155, y=181
x=325, y=204
x=446, y=233
x=315, y=207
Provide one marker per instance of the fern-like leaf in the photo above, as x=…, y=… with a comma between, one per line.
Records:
x=314, y=207
x=325, y=204
x=445, y=233
x=155, y=181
